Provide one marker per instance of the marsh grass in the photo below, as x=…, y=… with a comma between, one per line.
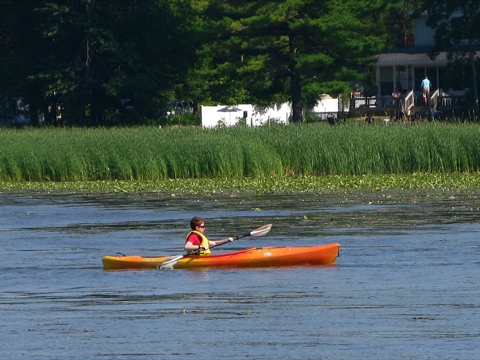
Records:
x=152, y=154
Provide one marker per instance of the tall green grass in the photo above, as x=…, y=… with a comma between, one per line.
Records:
x=148, y=153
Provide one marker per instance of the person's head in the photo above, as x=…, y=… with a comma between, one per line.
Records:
x=197, y=223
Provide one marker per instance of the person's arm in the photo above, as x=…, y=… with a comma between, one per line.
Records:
x=220, y=242
x=192, y=243
x=191, y=247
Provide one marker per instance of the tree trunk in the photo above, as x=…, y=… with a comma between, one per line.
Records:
x=296, y=93
x=33, y=106
x=474, y=78
x=50, y=111
x=295, y=85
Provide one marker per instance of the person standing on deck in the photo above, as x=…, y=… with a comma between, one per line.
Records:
x=426, y=86
x=197, y=242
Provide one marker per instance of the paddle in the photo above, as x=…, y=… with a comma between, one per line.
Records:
x=170, y=263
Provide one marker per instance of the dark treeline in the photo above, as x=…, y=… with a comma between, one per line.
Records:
x=108, y=63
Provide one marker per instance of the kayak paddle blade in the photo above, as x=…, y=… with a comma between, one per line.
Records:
x=170, y=263
x=261, y=230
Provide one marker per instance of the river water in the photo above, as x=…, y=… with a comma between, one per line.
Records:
x=406, y=284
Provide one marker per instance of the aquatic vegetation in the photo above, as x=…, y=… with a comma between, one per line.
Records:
x=310, y=156
x=264, y=185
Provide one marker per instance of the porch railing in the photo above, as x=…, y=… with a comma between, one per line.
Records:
x=405, y=102
x=452, y=100
x=402, y=102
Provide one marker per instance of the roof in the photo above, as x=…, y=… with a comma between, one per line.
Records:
x=409, y=55
x=413, y=55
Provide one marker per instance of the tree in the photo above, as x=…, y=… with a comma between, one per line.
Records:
x=80, y=60
x=456, y=25
x=395, y=22
x=85, y=56
x=291, y=50
x=18, y=42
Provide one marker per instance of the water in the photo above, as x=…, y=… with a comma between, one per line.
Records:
x=406, y=285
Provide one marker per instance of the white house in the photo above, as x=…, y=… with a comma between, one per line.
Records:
x=213, y=116
x=406, y=67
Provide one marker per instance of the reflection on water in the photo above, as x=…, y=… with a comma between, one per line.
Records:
x=405, y=285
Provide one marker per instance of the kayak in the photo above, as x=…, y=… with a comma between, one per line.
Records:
x=253, y=257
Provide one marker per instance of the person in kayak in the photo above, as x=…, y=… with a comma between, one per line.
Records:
x=196, y=241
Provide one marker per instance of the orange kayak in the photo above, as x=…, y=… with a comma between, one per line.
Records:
x=254, y=257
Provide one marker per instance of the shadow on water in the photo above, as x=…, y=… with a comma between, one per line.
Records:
x=405, y=285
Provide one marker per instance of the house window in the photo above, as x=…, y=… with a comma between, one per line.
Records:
x=432, y=76
x=386, y=80
x=419, y=75
x=442, y=77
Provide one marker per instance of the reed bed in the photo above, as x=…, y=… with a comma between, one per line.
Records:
x=147, y=153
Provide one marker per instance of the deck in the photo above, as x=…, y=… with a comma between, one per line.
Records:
x=407, y=107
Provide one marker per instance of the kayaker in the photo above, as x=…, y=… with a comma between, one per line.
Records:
x=196, y=241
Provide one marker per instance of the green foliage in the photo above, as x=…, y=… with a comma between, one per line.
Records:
x=77, y=60
x=182, y=120
x=266, y=52
x=464, y=182
x=151, y=153
x=392, y=22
